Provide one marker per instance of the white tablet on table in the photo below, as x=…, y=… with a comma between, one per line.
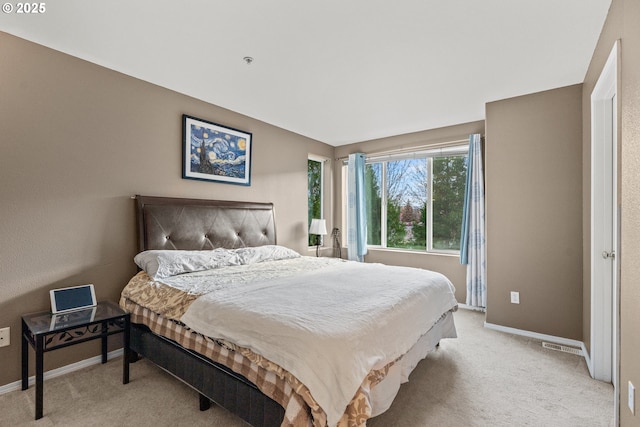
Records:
x=72, y=298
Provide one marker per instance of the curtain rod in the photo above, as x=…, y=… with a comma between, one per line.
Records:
x=402, y=149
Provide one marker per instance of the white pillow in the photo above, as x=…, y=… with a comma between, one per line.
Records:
x=159, y=264
x=264, y=253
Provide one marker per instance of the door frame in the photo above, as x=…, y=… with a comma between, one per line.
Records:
x=605, y=306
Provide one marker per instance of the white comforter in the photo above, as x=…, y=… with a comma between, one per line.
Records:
x=329, y=327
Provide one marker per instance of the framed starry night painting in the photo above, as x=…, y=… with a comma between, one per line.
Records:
x=212, y=152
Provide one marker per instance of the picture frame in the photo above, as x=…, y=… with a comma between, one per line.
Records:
x=212, y=152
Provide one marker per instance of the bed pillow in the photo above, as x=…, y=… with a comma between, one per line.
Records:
x=159, y=264
x=264, y=253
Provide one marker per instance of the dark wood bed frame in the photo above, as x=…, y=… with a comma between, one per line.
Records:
x=195, y=224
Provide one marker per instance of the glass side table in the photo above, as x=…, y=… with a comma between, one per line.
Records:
x=47, y=332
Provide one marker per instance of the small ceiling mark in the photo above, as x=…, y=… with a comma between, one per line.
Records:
x=248, y=60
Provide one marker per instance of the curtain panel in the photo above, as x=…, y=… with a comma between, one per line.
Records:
x=473, y=241
x=356, y=208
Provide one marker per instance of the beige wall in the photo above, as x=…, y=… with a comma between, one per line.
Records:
x=621, y=24
x=445, y=264
x=534, y=209
x=77, y=140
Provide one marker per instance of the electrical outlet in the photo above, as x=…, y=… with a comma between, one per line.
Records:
x=515, y=297
x=5, y=335
x=632, y=398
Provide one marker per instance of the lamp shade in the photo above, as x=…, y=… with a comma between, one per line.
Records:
x=318, y=226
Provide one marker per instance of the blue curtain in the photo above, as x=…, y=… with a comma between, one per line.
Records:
x=473, y=241
x=356, y=208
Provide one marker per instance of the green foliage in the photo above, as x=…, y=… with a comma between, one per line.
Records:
x=373, y=196
x=420, y=229
x=395, y=228
x=449, y=180
x=314, y=193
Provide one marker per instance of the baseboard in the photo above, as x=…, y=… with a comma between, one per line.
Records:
x=587, y=359
x=538, y=336
x=62, y=371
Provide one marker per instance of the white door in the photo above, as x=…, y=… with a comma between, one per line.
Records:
x=604, y=226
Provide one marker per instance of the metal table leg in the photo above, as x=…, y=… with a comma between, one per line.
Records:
x=25, y=357
x=126, y=347
x=39, y=375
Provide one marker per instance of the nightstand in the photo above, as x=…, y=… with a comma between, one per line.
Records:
x=47, y=332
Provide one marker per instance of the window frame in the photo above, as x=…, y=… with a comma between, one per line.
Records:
x=322, y=161
x=452, y=150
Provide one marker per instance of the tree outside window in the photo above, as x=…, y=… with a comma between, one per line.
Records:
x=314, y=193
x=449, y=180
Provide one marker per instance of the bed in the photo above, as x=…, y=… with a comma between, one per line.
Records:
x=207, y=266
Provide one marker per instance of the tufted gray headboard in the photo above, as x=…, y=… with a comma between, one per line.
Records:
x=196, y=224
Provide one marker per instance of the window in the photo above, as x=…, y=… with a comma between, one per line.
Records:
x=415, y=200
x=315, y=176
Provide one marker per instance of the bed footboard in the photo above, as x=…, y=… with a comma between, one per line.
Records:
x=211, y=380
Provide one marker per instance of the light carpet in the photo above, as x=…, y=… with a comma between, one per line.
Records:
x=482, y=378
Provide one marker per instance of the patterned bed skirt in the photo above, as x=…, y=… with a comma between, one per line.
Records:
x=301, y=410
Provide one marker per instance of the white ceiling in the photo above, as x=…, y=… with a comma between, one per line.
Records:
x=339, y=71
